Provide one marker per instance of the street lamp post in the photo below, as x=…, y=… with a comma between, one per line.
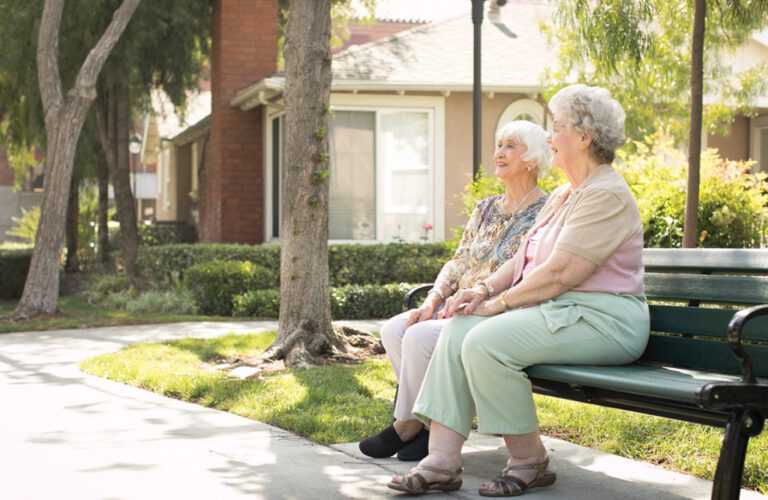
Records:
x=134, y=147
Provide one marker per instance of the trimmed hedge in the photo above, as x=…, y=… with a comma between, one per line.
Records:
x=347, y=302
x=349, y=264
x=14, y=265
x=213, y=285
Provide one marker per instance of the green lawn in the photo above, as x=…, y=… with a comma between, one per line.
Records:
x=346, y=403
x=77, y=313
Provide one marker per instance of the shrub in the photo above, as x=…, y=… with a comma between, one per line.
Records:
x=731, y=200
x=178, y=301
x=213, y=285
x=14, y=265
x=104, y=285
x=348, y=263
x=347, y=302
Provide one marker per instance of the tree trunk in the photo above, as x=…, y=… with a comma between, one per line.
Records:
x=73, y=221
x=690, y=229
x=113, y=120
x=63, y=122
x=305, y=329
x=102, y=174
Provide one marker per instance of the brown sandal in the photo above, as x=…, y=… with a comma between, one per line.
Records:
x=414, y=483
x=508, y=485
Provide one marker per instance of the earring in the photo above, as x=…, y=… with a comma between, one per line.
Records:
x=528, y=168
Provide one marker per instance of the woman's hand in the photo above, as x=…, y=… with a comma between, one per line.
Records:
x=423, y=313
x=464, y=301
x=490, y=307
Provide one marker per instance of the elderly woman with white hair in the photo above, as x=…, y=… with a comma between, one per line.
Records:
x=491, y=237
x=573, y=294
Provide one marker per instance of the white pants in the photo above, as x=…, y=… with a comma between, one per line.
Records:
x=409, y=351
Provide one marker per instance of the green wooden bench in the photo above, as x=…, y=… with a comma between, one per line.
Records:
x=706, y=361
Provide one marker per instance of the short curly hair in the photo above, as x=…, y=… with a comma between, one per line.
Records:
x=535, y=139
x=592, y=110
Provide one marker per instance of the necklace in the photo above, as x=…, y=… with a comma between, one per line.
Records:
x=517, y=207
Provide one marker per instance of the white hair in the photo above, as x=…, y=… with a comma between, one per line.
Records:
x=592, y=110
x=535, y=139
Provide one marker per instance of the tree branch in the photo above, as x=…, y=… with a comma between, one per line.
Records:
x=89, y=72
x=48, y=59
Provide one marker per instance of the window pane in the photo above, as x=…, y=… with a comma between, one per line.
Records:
x=352, y=198
x=406, y=169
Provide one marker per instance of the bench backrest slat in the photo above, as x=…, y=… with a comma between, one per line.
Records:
x=718, y=279
x=703, y=322
x=733, y=259
x=720, y=289
x=687, y=352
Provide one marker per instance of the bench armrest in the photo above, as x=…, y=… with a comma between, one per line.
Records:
x=411, y=294
x=738, y=321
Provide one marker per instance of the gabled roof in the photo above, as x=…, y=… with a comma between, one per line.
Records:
x=514, y=53
x=439, y=57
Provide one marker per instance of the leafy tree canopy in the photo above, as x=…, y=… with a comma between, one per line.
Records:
x=164, y=46
x=640, y=50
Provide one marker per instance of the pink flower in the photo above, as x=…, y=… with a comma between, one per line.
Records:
x=427, y=227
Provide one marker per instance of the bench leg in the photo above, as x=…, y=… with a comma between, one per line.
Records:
x=730, y=466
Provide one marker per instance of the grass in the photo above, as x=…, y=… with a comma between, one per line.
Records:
x=332, y=404
x=346, y=403
x=77, y=313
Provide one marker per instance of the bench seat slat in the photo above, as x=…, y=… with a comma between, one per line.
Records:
x=641, y=379
x=727, y=289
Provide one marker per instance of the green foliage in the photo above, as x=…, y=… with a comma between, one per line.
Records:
x=26, y=225
x=347, y=302
x=213, y=285
x=647, y=42
x=177, y=301
x=170, y=263
x=486, y=186
x=348, y=263
x=731, y=206
x=14, y=265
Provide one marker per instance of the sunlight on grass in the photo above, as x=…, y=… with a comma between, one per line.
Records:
x=337, y=404
x=332, y=404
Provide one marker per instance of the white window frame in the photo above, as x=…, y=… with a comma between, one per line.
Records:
x=434, y=105
x=756, y=125
x=517, y=108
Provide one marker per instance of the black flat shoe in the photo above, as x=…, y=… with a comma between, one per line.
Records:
x=416, y=449
x=384, y=444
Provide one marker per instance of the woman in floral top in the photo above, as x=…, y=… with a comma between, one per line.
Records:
x=491, y=237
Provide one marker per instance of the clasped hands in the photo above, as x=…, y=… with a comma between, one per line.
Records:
x=471, y=301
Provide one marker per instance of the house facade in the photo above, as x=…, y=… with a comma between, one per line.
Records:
x=400, y=132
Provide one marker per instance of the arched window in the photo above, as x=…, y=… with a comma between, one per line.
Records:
x=522, y=109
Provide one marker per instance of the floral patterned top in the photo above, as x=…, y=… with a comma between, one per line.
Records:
x=490, y=238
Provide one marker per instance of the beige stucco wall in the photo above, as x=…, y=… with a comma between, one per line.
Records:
x=736, y=145
x=458, y=146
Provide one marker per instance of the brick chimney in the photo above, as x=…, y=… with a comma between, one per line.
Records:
x=243, y=51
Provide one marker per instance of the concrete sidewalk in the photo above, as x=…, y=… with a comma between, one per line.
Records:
x=68, y=435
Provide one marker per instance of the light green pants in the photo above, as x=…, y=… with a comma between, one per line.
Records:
x=477, y=367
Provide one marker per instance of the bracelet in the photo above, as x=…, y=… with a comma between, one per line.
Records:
x=503, y=302
x=487, y=286
x=438, y=292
